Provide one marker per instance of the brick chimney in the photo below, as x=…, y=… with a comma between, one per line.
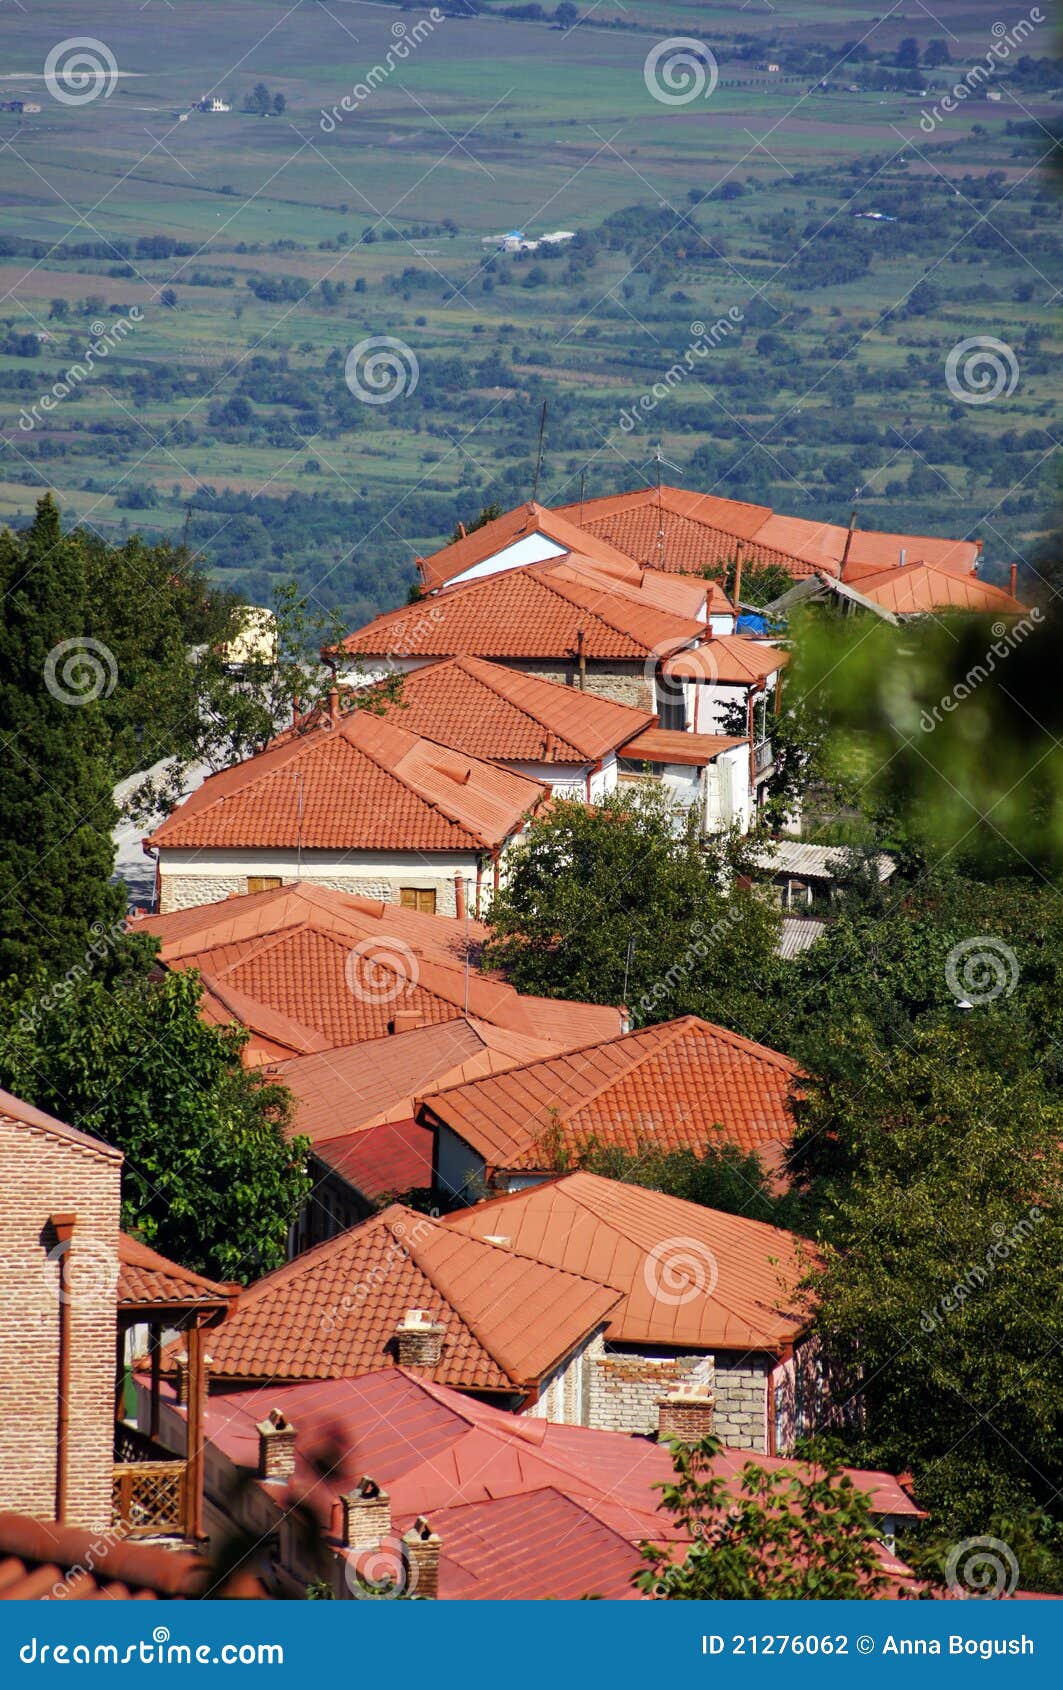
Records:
x=366, y=1515
x=420, y=1339
x=422, y=1549
x=276, y=1446
x=686, y=1415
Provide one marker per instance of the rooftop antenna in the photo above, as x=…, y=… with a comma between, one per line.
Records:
x=627, y=964
x=848, y=543
x=539, y=457
x=660, y=460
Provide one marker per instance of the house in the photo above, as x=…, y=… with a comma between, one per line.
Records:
x=707, y=774
x=679, y=1085
x=709, y=1302
x=356, y=803
x=356, y=1105
x=683, y=531
x=900, y=592
x=305, y=969
x=213, y=103
x=403, y=1289
x=804, y=876
x=527, y=534
x=558, y=620
x=445, y=1497
x=722, y=686
x=567, y=739
x=72, y=1288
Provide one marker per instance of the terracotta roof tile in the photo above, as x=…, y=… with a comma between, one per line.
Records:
x=25, y=1114
x=343, y=966
x=487, y=710
x=146, y=1279
x=920, y=589
x=350, y=1088
x=678, y=1085
x=538, y=611
x=518, y=524
x=41, y=1561
x=727, y=660
x=382, y=1161
x=729, y=1283
x=365, y=784
x=669, y=745
x=333, y=1312
x=473, y=1471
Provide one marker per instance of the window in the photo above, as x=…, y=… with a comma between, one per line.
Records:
x=418, y=898
x=263, y=882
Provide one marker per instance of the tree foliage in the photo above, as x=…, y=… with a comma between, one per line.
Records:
x=56, y=811
x=591, y=888
x=208, y=1177
x=720, y=1176
x=802, y=1534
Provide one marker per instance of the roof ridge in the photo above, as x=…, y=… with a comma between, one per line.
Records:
x=499, y=692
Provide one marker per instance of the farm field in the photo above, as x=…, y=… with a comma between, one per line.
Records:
x=245, y=256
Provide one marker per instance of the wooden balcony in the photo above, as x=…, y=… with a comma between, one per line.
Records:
x=149, y=1496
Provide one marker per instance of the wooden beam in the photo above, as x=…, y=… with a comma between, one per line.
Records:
x=194, y=1444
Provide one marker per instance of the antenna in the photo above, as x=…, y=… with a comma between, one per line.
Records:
x=539, y=458
x=627, y=964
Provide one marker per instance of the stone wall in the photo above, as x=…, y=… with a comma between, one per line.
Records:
x=624, y=1386
x=741, y=1387
x=184, y=891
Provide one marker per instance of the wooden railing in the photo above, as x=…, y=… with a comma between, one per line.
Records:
x=149, y=1486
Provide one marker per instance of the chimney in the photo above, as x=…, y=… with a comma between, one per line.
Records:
x=334, y=707
x=405, y=1020
x=461, y=530
x=276, y=1446
x=625, y=1018
x=904, y=557
x=687, y=1416
x=366, y=1515
x=420, y=1339
x=1014, y=579
x=422, y=1549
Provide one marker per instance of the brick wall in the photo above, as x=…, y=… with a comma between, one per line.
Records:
x=622, y=687
x=43, y=1174
x=623, y=1387
x=565, y=1396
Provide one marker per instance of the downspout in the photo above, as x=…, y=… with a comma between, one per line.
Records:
x=479, y=880
x=595, y=769
x=749, y=730
x=64, y=1230
x=582, y=658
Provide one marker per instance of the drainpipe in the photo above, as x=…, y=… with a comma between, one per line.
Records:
x=1014, y=580
x=459, y=895
x=64, y=1231
x=752, y=752
x=736, y=590
x=479, y=881
x=595, y=769
x=582, y=656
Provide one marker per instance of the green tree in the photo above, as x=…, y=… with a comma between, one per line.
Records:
x=720, y=1176
x=488, y=513
x=280, y=105
x=623, y=900
x=208, y=1178
x=56, y=811
x=940, y=1300
x=802, y=1534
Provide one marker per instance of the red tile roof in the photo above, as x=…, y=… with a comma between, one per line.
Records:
x=364, y=784
x=677, y=1085
x=535, y=612
x=483, y=1477
x=350, y=1088
x=43, y=1562
x=919, y=589
x=333, y=1312
x=344, y=966
x=506, y=530
x=689, y=532
x=148, y=1280
x=384, y=1161
x=729, y=1283
x=669, y=745
x=487, y=710
x=727, y=660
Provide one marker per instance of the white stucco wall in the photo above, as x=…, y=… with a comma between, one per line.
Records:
x=531, y=548
x=204, y=877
